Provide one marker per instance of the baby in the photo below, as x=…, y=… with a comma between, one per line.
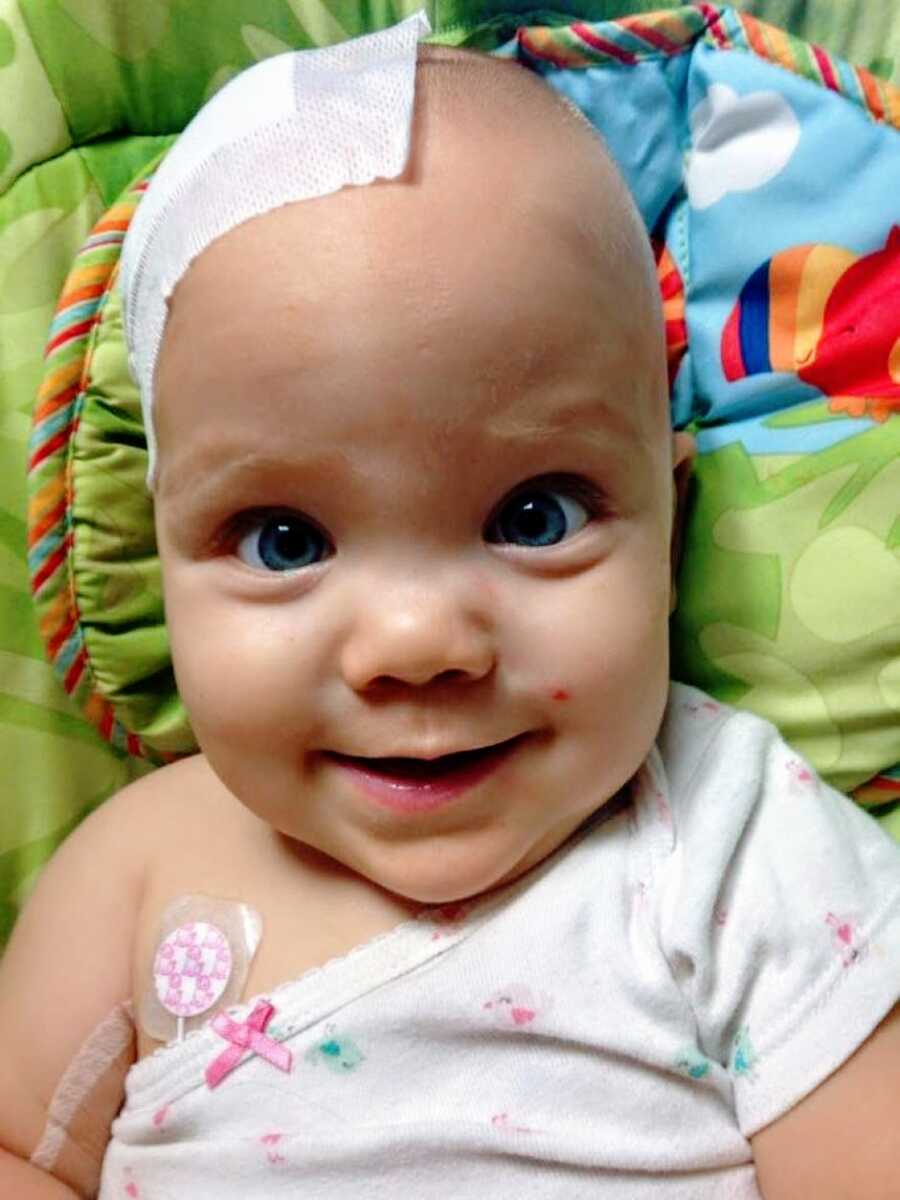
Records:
x=498, y=910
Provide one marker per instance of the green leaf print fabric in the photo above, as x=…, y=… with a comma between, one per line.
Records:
x=91, y=92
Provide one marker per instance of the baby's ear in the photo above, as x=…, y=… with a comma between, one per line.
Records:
x=684, y=451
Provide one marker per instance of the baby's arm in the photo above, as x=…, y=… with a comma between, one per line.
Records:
x=840, y=1142
x=67, y=967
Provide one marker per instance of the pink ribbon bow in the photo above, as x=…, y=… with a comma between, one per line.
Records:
x=244, y=1036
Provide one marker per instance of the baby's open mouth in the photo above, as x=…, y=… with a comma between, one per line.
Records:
x=417, y=786
x=423, y=769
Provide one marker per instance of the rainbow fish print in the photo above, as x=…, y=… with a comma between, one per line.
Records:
x=828, y=315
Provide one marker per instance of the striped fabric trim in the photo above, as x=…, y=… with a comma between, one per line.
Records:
x=884, y=789
x=671, y=288
x=730, y=29
x=631, y=40
x=625, y=42
x=67, y=362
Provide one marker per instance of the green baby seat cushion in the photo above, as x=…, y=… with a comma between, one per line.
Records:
x=766, y=170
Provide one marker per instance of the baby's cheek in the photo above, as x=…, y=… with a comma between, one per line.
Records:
x=237, y=674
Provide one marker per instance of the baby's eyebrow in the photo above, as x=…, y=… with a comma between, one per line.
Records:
x=213, y=471
x=591, y=418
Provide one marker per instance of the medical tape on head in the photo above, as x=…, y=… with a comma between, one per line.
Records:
x=293, y=127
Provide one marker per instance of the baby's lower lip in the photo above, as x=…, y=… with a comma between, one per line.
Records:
x=417, y=785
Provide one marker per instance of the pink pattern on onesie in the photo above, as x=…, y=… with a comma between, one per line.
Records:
x=270, y=1141
x=800, y=773
x=517, y=1006
x=501, y=1121
x=848, y=941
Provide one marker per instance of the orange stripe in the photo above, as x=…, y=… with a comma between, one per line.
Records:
x=90, y=292
x=755, y=36
x=60, y=400
x=46, y=497
x=94, y=708
x=37, y=529
x=121, y=211
x=892, y=96
x=61, y=636
x=871, y=92
x=119, y=225
x=779, y=44
x=540, y=44
x=59, y=379
x=55, y=614
x=83, y=277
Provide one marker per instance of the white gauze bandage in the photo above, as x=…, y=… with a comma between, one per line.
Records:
x=293, y=127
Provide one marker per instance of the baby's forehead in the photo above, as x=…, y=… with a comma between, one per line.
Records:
x=506, y=194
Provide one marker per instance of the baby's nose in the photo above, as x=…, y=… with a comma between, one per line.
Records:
x=417, y=634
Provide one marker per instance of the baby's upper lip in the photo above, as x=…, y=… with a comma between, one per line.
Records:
x=430, y=753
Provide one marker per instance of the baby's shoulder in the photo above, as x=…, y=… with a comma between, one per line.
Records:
x=174, y=800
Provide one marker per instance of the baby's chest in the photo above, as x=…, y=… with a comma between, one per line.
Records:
x=459, y=1053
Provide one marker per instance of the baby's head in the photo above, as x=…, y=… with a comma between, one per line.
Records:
x=415, y=495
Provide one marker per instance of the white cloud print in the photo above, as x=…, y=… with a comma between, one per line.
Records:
x=739, y=143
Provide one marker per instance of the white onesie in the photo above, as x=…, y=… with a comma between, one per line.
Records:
x=689, y=965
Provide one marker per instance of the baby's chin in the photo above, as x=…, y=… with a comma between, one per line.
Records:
x=446, y=869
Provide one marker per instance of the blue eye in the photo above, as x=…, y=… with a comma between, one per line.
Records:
x=538, y=517
x=281, y=542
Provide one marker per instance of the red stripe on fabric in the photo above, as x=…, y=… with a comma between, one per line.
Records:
x=882, y=783
x=47, y=521
x=676, y=333
x=653, y=37
x=107, y=721
x=58, y=440
x=60, y=400
x=828, y=76
x=670, y=285
x=133, y=743
x=54, y=561
x=75, y=672
x=712, y=14
x=605, y=47
x=67, y=335
x=55, y=643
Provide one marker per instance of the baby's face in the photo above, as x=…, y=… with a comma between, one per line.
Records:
x=416, y=500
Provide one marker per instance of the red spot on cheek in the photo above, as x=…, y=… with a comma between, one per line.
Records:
x=560, y=694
